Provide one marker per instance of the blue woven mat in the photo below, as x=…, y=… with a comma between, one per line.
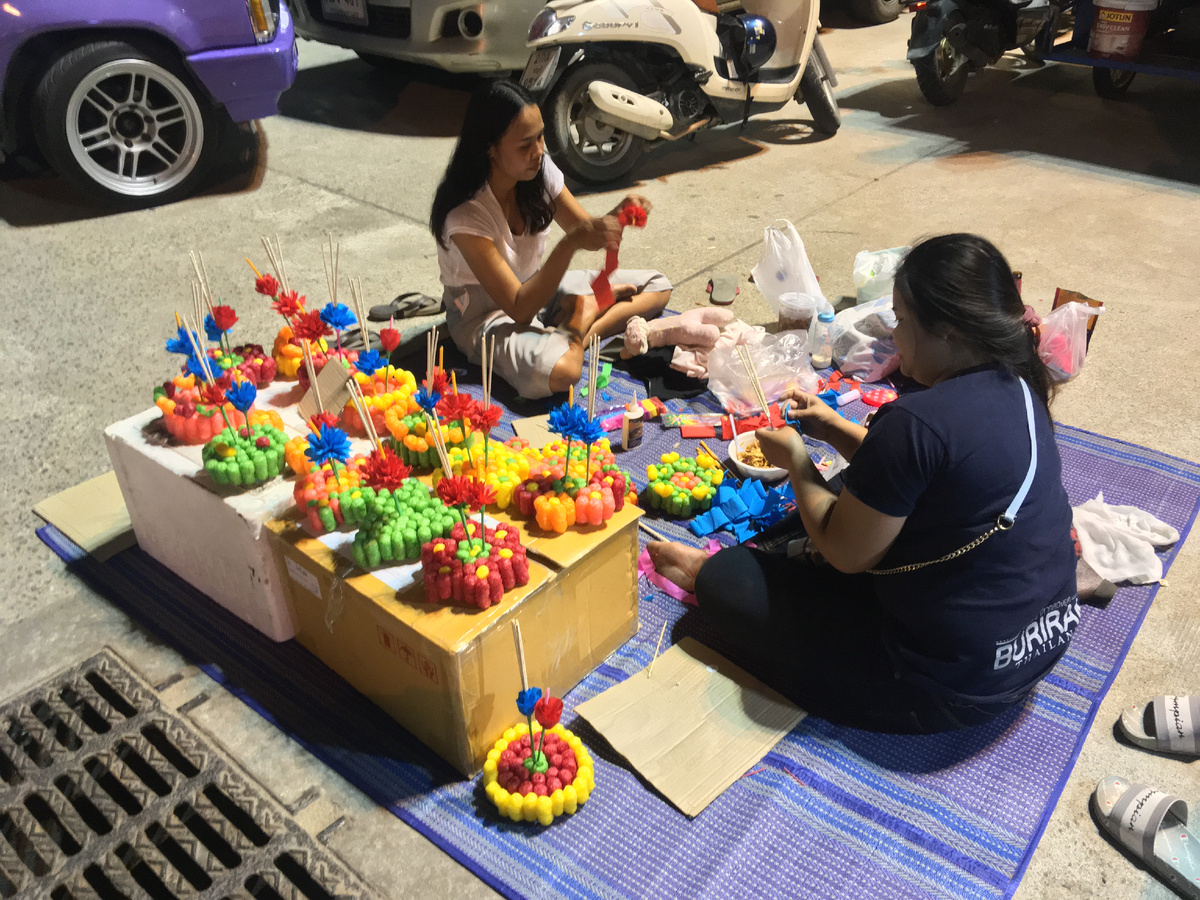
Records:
x=831, y=812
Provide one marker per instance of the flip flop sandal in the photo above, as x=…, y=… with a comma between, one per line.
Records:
x=352, y=338
x=723, y=288
x=1151, y=827
x=1166, y=724
x=406, y=306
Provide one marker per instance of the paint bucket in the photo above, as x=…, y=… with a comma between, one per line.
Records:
x=1119, y=27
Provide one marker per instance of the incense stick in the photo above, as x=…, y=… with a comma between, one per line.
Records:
x=516, y=626
x=201, y=357
x=360, y=307
x=654, y=659
x=364, y=411
x=434, y=431
x=593, y=375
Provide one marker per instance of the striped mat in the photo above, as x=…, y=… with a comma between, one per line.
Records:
x=831, y=812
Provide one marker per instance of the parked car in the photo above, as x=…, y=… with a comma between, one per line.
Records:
x=128, y=100
x=453, y=35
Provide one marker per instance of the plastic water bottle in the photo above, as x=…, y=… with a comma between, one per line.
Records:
x=820, y=341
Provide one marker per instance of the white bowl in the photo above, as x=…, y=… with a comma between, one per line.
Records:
x=739, y=443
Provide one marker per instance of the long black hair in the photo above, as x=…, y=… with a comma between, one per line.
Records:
x=962, y=282
x=490, y=111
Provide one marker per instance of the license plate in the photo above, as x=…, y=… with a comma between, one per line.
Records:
x=353, y=12
x=540, y=68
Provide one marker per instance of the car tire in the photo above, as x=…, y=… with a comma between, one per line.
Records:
x=818, y=97
x=126, y=127
x=1111, y=84
x=876, y=12
x=569, y=132
x=942, y=74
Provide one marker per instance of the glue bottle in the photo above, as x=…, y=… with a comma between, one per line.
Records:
x=820, y=341
x=631, y=426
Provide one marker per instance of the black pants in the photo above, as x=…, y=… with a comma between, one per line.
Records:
x=815, y=635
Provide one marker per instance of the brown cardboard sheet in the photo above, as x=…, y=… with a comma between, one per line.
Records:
x=91, y=514
x=535, y=429
x=692, y=723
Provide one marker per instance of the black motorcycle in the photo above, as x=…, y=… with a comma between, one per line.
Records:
x=952, y=37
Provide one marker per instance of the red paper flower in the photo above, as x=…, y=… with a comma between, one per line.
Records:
x=224, y=317
x=384, y=470
x=482, y=494
x=632, y=214
x=485, y=418
x=390, y=338
x=323, y=418
x=439, y=382
x=309, y=327
x=289, y=304
x=456, y=407
x=212, y=393
x=267, y=285
x=548, y=711
x=456, y=491
x=224, y=381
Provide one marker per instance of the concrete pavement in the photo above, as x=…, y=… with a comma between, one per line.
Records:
x=1098, y=196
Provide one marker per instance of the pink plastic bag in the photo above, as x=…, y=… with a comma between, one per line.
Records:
x=1062, y=343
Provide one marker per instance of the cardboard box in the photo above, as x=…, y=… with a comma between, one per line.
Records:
x=448, y=674
x=210, y=536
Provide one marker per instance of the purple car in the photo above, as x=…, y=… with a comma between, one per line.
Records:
x=129, y=99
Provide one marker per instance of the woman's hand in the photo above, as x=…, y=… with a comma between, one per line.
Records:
x=633, y=200
x=812, y=414
x=596, y=234
x=783, y=447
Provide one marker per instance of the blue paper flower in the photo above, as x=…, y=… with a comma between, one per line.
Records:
x=568, y=421
x=337, y=316
x=369, y=361
x=193, y=366
x=210, y=328
x=242, y=396
x=180, y=343
x=527, y=700
x=590, y=432
x=428, y=400
x=330, y=444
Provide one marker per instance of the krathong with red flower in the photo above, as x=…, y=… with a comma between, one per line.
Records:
x=324, y=417
x=288, y=304
x=309, y=326
x=383, y=469
x=266, y=285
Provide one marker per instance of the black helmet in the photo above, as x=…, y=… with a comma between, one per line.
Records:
x=758, y=45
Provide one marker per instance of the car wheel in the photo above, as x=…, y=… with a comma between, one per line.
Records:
x=124, y=127
x=1111, y=84
x=875, y=12
x=584, y=147
x=818, y=96
x=942, y=74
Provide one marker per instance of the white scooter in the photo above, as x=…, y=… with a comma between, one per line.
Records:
x=615, y=75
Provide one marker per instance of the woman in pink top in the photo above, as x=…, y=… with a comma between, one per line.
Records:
x=491, y=215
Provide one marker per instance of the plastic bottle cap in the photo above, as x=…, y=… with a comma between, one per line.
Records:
x=825, y=316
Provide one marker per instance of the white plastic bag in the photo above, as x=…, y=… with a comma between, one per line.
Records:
x=862, y=340
x=875, y=273
x=784, y=267
x=781, y=361
x=1062, y=341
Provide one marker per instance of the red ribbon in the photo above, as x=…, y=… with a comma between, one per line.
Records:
x=630, y=214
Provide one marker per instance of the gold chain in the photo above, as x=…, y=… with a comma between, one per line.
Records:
x=1001, y=525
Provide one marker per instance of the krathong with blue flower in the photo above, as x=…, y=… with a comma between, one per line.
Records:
x=330, y=445
x=242, y=396
x=427, y=400
x=369, y=361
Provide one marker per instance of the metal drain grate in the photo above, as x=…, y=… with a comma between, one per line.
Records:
x=105, y=795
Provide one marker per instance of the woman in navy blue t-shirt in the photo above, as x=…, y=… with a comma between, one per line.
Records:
x=903, y=619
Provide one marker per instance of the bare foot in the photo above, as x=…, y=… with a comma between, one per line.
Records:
x=678, y=563
x=586, y=311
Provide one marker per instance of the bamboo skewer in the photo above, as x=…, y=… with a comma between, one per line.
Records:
x=275, y=257
x=431, y=352
x=658, y=536
x=744, y=353
x=724, y=463
x=360, y=308
x=439, y=442
x=657, y=647
x=593, y=375
x=364, y=411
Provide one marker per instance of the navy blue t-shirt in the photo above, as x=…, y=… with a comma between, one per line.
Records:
x=951, y=458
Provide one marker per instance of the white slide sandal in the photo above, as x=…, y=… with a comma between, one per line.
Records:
x=1151, y=826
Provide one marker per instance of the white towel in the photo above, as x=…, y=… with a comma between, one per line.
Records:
x=1120, y=542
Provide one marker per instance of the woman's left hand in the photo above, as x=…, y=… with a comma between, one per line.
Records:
x=633, y=200
x=783, y=447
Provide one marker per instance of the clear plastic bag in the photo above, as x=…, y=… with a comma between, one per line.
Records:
x=862, y=340
x=875, y=273
x=781, y=361
x=785, y=268
x=1062, y=340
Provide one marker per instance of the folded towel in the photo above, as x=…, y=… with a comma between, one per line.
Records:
x=1121, y=542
